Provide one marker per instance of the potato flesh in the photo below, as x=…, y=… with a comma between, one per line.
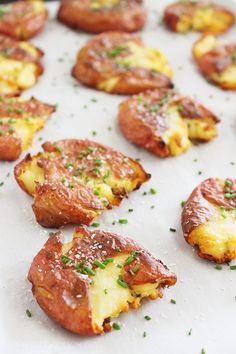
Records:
x=108, y=85
x=25, y=129
x=146, y=58
x=99, y=4
x=228, y=76
x=38, y=6
x=108, y=298
x=205, y=45
x=16, y=75
x=217, y=237
x=33, y=174
x=205, y=18
x=201, y=129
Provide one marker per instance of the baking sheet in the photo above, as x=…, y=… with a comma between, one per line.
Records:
x=205, y=297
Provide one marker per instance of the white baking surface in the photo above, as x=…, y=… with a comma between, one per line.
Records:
x=205, y=297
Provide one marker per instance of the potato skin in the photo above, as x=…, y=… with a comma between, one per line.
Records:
x=93, y=67
x=200, y=208
x=174, y=12
x=216, y=61
x=128, y=16
x=145, y=128
x=22, y=22
x=58, y=203
x=18, y=109
x=65, y=298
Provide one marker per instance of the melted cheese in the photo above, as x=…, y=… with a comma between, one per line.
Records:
x=146, y=58
x=217, y=237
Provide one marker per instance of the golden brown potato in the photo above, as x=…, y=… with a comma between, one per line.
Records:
x=85, y=283
x=216, y=61
x=200, y=16
x=73, y=181
x=99, y=16
x=208, y=219
x=20, y=66
x=22, y=20
x=19, y=120
x=118, y=62
x=165, y=122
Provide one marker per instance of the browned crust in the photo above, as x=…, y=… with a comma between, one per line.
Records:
x=145, y=127
x=93, y=66
x=21, y=22
x=10, y=143
x=56, y=203
x=200, y=208
x=128, y=16
x=175, y=11
x=63, y=282
x=215, y=62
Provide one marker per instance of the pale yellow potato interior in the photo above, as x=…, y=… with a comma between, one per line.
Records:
x=38, y=6
x=227, y=77
x=204, y=129
x=98, y=4
x=207, y=17
x=205, y=45
x=217, y=237
x=108, y=298
x=31, y=174
x=108, y=85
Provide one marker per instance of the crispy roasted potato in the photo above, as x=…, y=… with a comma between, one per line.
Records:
x=99, y=16
x=165, y=122
x=20, y=66
x=117, y=62
x=19, y=120
x=22, y=20
x=216, y=61
x=200, y=16
x=85, y=283
x=209, y=219
x=73, y=181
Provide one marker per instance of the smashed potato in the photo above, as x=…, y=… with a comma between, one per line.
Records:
x=200, y=16
x=216, y=61
x=97, y=16
x=22, y=20
x=85, y=283
x=19, y=120
x=118, y=62
x=165, y=122
x=209, y=219
x=20, y=66
x=74, y=181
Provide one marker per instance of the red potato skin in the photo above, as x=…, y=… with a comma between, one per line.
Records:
x=54, y=203
x=93, y=67
x=64, y=283
x=22, y=27
x=199, y=208
x=10, y=144
x=128, y=16
x=216, y=61
x=174, y=12
x=146, y=129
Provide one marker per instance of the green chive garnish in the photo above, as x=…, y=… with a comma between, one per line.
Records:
x=122, y=283
x=99, y=264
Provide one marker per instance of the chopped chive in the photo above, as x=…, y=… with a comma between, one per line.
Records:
x=78, y=266
x=123, y=221
x=153, y=191
x=58, y=149
x=130, y=210
x=183, y=203
x=98, y=161
x=99, y=264
x=64, y=259
x=119, y=266
x=172, y=230
x=233, y=267
x=218, y=267
x=228, y=183
x=122, y=283
x=105, y=291
x=116, y=326
x=190, y=332
x=95, y=224
x=144, y=334
x=131, y=257
x=147, y=318
x=88, y=270
x=28, y=313
x=108, y=260
x=117, y=249
x=172, y=301
x=1, y=184
x=203, y=351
